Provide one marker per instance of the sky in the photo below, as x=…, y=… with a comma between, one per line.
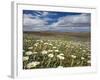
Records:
x=56, y=21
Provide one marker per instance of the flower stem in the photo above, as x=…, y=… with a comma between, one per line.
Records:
x=49, y=62
x=72, y=62
x=60, y=62
x=81, y=63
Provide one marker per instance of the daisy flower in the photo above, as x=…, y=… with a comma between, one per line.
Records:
x=60, y=57
x=44, y=52
x=30, y=48
x=73, y=56
x=29, y=53
x=25, y=58
x=32, y=64
x=50, y=55
x=82, y=58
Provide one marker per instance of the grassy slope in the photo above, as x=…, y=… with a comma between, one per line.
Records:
x=83, y=36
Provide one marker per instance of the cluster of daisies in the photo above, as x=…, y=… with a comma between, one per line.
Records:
x=55, y=54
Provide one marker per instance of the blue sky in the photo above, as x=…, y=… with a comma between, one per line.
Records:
x=56, y=21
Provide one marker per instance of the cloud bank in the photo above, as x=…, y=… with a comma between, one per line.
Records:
x=55, y=21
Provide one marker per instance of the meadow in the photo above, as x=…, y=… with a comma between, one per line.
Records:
x=56, y=50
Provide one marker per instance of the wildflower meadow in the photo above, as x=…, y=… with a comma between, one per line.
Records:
x=38, y=53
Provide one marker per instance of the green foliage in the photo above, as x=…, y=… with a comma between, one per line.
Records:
x=55, y=53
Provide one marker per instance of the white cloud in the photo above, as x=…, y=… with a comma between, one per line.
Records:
x=27, y=16
x=82, y=20
x=45, y=13
x=69, y=22
x=40, y=14
x=30, y=20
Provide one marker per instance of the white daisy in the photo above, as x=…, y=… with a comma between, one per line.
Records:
x=37, y=40
x=44, y=52
x=32, y=64
x=54, y=47
x=29, y=53
x=88, y=61
x=50, y=44
x=60, y=67
x=35, y=52
x=60, y=57
x=61, y=54
x=80, y=48
x=50, y=50
x=84, y=50
x=30, y=48
x=50, y=55
x=36, y=44
x=82, y=58
x=41, y=41
x=45, y=43
x=73, y=56
x=25, y=58
x=56, y=50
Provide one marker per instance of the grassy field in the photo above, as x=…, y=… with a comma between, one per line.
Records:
x=56, y=49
